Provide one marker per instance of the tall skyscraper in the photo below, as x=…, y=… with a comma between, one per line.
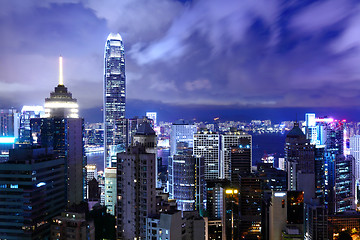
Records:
x=299, y=155
x=114, y=98
x=235, y=153
x=63, y=130
x=186, y=181
x=136, y=192
x=207, y=145
x=345, y=183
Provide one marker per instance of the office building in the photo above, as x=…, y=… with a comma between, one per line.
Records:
x=215, y=208
x=110, y=189
x=235, y=153
x=63, y=130
x=299, y=156
x=114, y=97
x=317, y=225
x=207, y=145
x=345, y=183
x=186, y=181
x=32, y=186
x=91, y=172
x=286, y=215
x=182, y=134
x=250, y=206
x=272, y=178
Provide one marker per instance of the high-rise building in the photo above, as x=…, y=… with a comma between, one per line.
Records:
x=32, y=186
x=114, y=97
x=207, y=145
x=186, y=181
x=299, y=156
x=235, y=153
x=91, y=172
x=286, y=215
x=136, y=184
x=345, y=183
x=136, y=192
x=63, y=130
x=110, y=189
x=181, y=132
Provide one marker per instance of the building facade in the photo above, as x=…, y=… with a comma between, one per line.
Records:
x=32, y=186
x=114, y=96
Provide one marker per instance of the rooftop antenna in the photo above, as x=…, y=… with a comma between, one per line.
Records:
x=61, y=77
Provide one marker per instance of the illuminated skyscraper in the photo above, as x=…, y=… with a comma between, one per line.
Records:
x=114, y=97
x=63, y=130
x=61, y=103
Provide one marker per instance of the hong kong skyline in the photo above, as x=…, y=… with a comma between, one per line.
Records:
x=198, y=58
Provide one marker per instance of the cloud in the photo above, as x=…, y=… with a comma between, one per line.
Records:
x=321, y=14
x=205, y=52
x=199, y=84
x=222, y=23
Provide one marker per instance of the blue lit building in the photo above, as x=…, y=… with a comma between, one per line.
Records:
x=181, y=132
x=114, y=97
x=28, y=112
x=32, y=189
x=186, y=181
x=345, y=183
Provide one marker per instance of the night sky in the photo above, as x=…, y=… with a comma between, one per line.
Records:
x=188, y=59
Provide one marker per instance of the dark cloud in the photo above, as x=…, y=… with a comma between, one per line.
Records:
x=253, y=54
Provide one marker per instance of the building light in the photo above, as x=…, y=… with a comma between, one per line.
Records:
x=40, y=184
x=7, y=139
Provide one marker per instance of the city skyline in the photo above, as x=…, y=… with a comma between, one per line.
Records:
x=238, y=57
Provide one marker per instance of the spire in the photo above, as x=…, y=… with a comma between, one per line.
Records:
x=61, y=77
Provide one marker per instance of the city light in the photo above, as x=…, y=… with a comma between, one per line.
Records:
x=7, y=139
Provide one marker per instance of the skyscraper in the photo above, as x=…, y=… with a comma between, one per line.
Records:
x=114, y=97
x=235, y=153
x=207, y=145
x=299, y=155
x=63, y=130
x=181, y=132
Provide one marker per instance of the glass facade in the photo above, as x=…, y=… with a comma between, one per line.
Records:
x=114, y=94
